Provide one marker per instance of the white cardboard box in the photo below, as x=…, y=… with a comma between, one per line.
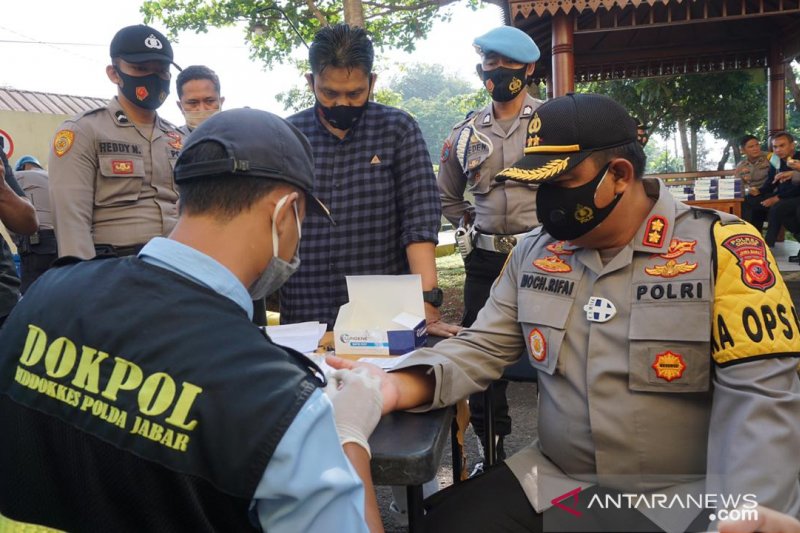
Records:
x=385, y=316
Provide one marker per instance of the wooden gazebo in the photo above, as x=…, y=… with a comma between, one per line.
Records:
x=588, y=40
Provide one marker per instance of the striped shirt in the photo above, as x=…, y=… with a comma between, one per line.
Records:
x=379, y=185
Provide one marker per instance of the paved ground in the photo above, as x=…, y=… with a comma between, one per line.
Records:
x=522, y=401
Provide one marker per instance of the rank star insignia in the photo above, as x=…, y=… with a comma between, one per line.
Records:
x=552, y=263
x=656, y=232
x=141, y=93
x=670, y=269
x=537, y=344
x=669, y=366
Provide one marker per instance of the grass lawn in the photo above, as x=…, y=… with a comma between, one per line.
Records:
x=450, y=269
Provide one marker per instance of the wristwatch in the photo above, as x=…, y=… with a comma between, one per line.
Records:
x=435, y=296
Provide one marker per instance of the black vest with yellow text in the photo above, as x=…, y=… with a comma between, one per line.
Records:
x=132, y=399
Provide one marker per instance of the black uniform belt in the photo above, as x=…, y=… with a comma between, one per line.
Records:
x=497, y=243
x=117, y=251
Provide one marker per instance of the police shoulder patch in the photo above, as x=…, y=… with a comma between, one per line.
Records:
x=753, y=313
x=62, y=142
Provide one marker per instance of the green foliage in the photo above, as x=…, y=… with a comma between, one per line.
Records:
x=436, y=100
x=272, y=37
x=663, y=163
x=727, y=105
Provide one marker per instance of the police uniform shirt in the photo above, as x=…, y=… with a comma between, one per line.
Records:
x=754, y=172
x=476, y=150
x=111, y=183
x=627, y=402
x=37, y=188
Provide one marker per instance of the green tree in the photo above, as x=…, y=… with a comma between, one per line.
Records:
x=436, y=100
x=275, y=29
x=728, y=105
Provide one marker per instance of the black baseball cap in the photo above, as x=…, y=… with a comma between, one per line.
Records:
x=259, y=145
x=566, y=130
x=140, y=43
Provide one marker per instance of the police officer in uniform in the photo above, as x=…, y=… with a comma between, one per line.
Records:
x=17, y=215
x=477, y=149
x=119, y=414
x=111, y=183
x=665, y=340
x=38, y=251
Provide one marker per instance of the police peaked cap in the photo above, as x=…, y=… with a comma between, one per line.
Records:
x=510, y=42
x=140, y=43
x=258, y=145
x=566, y=130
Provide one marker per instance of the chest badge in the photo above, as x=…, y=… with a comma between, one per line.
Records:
x=558, y=248
x=670, y=269
x=177, y=140
x=537, y=344
x=552, y=263
x=669, y=366
x=599, y=309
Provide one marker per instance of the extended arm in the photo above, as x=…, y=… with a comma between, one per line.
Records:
x=16, y=212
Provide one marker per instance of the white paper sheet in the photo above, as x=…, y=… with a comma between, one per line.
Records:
x=303, y=337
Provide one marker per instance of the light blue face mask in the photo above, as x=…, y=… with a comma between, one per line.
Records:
x=278, y=270
x=775, y=161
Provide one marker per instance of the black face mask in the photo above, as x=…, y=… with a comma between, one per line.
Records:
x=504, y=84
x=567, y=214
x=147, y=92
x=342, y=117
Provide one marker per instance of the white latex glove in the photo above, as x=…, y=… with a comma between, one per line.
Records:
x=357, y=403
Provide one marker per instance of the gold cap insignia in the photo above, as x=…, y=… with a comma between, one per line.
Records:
x=533, y=130
x=552, y=168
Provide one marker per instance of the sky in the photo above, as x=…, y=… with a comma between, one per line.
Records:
x=64, y=50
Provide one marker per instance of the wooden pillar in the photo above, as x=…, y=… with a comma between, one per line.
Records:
x=776, y=92
x=563, y=74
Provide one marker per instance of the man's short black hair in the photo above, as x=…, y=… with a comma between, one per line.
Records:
x=782, y=134
x=196, y=72
x=633, y=152
x=341, y=46
x=746, y=139
x=222, y=196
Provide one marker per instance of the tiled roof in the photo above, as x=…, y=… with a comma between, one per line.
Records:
x=38, y=102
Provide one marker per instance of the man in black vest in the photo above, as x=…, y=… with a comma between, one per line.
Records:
x=172, y=411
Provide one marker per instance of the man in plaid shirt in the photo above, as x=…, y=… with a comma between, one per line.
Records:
x=373, y=171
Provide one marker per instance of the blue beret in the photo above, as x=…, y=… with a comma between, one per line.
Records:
x=510, y=42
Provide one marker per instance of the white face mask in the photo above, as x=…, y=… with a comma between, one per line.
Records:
x=278, y=270
x=195, y=118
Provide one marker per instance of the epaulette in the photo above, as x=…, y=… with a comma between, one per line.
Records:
x=88, y=112
x=460, y=124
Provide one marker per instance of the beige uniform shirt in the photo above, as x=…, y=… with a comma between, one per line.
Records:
x=37, y=189
x=111, y=181
x=753, y=173
x=690, y=385
x=473, y=154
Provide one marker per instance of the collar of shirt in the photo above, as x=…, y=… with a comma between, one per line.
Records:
x=197, y=267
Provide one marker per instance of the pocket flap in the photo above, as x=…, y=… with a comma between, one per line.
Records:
x=677, y=322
